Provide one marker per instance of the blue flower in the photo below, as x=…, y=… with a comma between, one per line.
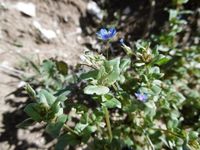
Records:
x=105, y=34
x=141, y=96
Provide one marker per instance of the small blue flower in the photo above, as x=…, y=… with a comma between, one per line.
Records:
x=141, y=96
x=105, y=34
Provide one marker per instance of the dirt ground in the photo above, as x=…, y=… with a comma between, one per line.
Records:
x=18, y=35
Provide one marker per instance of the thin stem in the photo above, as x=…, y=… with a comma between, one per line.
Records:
x=107, y=53
x=70, y=129
x=150, y=142
x=115, y=87
x=107, y=117
x=167, y=131
x=88, y=66
x=107, y=49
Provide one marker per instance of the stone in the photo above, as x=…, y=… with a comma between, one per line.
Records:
x=45, y=34
x=28, y=9
x=93, y=9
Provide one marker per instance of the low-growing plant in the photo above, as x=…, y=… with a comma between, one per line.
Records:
x=144, y=100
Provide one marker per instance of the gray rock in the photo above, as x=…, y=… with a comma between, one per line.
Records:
x=93, y=9
x=45, y=34
x=28, y=9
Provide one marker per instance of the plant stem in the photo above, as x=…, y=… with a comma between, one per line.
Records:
x=70, y=129
x=115, y=87
x=150, y=142
x=89, y=66
x=167, y=131
x=107, y=49
x=107, y=117
x=107, y=53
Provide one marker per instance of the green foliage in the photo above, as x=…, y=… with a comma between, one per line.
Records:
x=53, y=128
x=108, y=114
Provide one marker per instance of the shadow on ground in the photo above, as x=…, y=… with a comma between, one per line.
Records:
x=12, y=118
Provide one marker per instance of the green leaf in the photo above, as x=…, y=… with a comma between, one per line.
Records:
x=128, y=50
x=80, y=127
x=172, y=123
x=163, y=48
x=182, y=1
x=94, y=89
x=66, y=139
x=89, y=75
x=163, y=60
x=48, y=67
x=42, y=99
x=112, y=65
x=55, y=107
x=111, y=78
x=156, y=89
x=62, y=67
x=62, y=97
x=32, y=111
x=91, y=129
x=65, y=91
x=24, y=124
x=172, y=14
x=125, y=64
x=86, y=133
x=154, y=70
x=109, y=72
x=122, y=79
x=128, y=141
x=193, y=135
x=113, y=71
x=54, y=128
x=150, y=109
x=139, y=64
x=50, y=99
x=110, y=102
x=101, y=73
x=30, y=91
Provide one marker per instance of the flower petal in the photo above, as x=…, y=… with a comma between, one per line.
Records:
x=103, y=31
x=141, y=96
x=106, y=34
x=112, y=31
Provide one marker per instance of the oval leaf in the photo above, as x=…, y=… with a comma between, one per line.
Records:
x=94, y=89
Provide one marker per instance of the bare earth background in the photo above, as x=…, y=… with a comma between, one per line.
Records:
x=18, y=35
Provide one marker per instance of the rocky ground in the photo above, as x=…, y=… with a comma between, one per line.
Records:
x=35, y=29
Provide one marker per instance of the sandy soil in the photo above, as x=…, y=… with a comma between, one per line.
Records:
x=18, y=35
